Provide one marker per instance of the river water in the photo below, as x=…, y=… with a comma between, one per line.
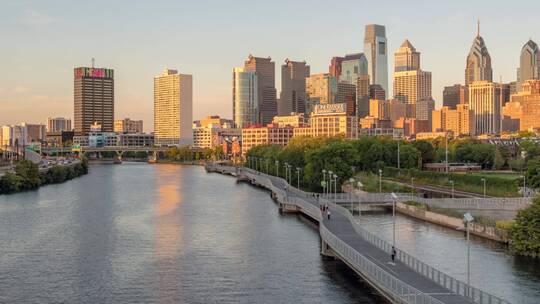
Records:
x=139, y=233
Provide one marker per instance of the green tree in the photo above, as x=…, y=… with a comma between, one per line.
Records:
x=525, y=233
x=498, y=160
x=29, y=172
x=409, y=156
x=533, y=173
x=427, y=151
x=10, y=183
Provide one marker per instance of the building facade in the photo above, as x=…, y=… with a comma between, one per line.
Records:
x=353, y=66
x=362, y=95
x=332, y=120
x=265, y=135
x=293, y=87
x=529, y=63
x=375, y=50
x=406, y=58
x=485, y=99
x=412, y=86
x=173, y=103
x=127, y=125
x=265, y=69
x=320, y=89
x=93, y=99
x=245, y=98
x=454, y=95
x=529, y=99
x=478, y=65
x=58, y=124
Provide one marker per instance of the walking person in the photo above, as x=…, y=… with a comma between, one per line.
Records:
x=393, y=254
x=328, y=213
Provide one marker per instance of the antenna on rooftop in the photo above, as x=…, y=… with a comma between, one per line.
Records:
x=93, y=62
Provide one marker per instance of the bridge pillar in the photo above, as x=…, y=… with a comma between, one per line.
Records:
x=326, y=251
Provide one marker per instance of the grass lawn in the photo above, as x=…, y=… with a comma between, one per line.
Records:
x=506, y=175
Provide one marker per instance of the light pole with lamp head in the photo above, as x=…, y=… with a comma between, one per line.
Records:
x=412, y=187
x=468, y=218
x=360, y=185
x=285, y=165
x=330, y=176
x=380, y=181
x=351, y=182
x=324, y=182
x=298, y=177
x=394, y=199
x=452, y=182
x=277, y=167
x=484, y=180
x=335, y=188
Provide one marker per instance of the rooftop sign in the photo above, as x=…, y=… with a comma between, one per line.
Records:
x=330, y=108
x=94, y=72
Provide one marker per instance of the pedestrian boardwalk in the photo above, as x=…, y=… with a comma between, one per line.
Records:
x=407, y=280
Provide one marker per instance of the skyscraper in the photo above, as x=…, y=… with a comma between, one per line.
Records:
x=293, y=87
x=375, y=49
x=245, y=98
x=485, y=100
x=353, y=66
x=454, y=95
x=266, y=86
x=410, y=83
x=335, y=66
x=173, y=104
x=362, y=96
x=529, y=63
x=406, y=58
x=321, y=88
x=93, y=99
x=478, y=62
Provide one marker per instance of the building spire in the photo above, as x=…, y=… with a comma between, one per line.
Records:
x=478, y=32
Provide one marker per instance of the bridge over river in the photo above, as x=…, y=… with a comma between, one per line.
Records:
x=408, y=280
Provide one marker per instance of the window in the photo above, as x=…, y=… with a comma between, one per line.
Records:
x=382, y=48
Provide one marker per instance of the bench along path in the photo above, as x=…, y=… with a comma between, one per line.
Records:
x=407, y=280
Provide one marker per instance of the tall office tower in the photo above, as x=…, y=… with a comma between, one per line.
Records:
x=406, y=58
x=485, y=99
x=93, y=99
x=529, y=63
x=423, y=109
x=321, y=88
x=128, y=125
x=375, y=49
x=58, y=124
x=377, y=92
x=346, y=93
x=362, y=96
x=454, y=95
x=173, y=109
x=529, y=99
x=478, y=62
x=293, y=87
x=353, y=66
x=265, y=69
x=335, y=66
x=245, y=98
x=410, y=83
x=412, y=86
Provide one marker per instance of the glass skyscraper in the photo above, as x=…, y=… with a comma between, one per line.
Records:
x=245, y=98
x=375, y=49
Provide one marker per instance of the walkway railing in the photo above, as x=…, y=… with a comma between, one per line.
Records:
x=397, y=287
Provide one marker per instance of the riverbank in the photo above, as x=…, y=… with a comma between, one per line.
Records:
x=28, y=176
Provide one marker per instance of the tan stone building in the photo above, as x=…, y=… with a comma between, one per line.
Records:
x=460, y=121
x=529, y=98
x=321, y=88
x=127, y=125
x=485, y=99
x=411, y=86
x=379, y=108
x=263, y=135
x=296, y=120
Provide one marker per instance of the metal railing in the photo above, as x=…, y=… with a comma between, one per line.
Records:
x=442, y=279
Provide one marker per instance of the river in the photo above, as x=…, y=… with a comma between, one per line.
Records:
x=139, y=233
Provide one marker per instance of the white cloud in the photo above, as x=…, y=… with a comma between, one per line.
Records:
x=33, y=18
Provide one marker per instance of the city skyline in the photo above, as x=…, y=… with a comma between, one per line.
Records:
x=39, y=84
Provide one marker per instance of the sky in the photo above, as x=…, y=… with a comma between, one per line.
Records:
x=42, y=41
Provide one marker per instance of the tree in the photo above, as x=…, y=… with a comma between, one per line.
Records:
x=533, y=173
x=427, y=151
x=498, y=160
x=29, y=173
x=409, y=156
x=10, y=183
x=525, y=233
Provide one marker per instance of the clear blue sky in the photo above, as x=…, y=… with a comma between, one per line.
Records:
x=43, y=40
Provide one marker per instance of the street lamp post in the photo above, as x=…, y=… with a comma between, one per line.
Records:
x=277, y=168
x=380, y=181
x=394, y=198
x=298, y=177
x=267, y=166
x=468, y=218
x=285, y=165
x=412, y=188
x=452, y=182
x=324, y=182
x=335, y=188
x=330, y=176
x=360, y=185
x=484, y=180
x=351, y=182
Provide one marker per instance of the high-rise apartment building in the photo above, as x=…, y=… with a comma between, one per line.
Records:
x=321, y=88
x=362, y=96
x=454, y=95
x=485, y=99
x=375, y=49
x=478, y=62
x=35, y=132
x=529, y=63
x=173, y=104
x=424, y=109
x=410, y=83
x=245, y=98
x=412, y=86
x=93, y=99
x=265, y=70
x=293, y=87
x=58, y=124
x=127, y=125
x=406, y=58
x=459, y=121
x=346, y=94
